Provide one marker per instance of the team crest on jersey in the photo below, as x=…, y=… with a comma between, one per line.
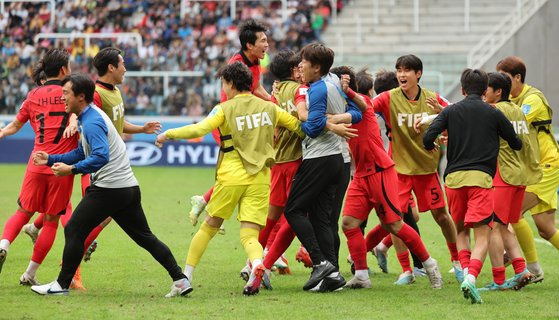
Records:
x=526, y=108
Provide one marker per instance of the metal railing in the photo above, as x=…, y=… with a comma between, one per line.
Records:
x=508, y=26
x=52, y=7
x=89, y=36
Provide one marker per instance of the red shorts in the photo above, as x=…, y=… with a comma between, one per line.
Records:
x=378, y=191
x=282, y=176
x=45, y=193
x=427, y=189
x=507, y=203
x=470, y=205
x=86, y=182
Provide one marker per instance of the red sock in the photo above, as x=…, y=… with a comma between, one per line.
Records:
x=404, y=259
x=283, y=239
x=387, y=241
x=44, y=241
x=265, y=233
x=66, y=216
x=92, y=236
x=14, y=224
x=357, y=248
x=453, y=251
x=39, y=221
x=274, y=232
x=475, y=267
x=464, y=257
x=413, y=242
x=498, y=275
x=519, y=265
x=375, y=236
x=208, y=194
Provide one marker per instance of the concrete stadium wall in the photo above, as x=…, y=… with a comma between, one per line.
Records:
x=537, y=42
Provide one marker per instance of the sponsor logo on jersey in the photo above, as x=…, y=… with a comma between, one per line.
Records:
x=408, y=119
x=252, y=121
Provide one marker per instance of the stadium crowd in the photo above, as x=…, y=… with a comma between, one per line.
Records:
x=201, y=41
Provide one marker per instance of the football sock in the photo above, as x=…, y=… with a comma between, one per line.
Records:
x=199, y=243
x=387, y=242
x=32, y=269
x=453, y=251
x=188, y=271
x=13, y=226
x=38, y=222
x=208, y=194
x=44, y=241
x=92, y=236
x=275, y=231
x=519, y=265
x=464, y=257
x=526, y=240
x=249, y=240
x=555, y=240
x=375, y=236
x=357, y=248
x=362, y=274
x=404, y=259
x=283, y=239
x=413, y=242
x=475, y=267
x=265, y=233
x=499, y=275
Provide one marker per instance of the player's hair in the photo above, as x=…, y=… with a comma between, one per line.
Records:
x=237, y=73
x=385, y=80
x=38, y=74
x=53, y=61
x=364, y=81
x=513, y=65
x=283, y=63
x=248, y=30
x=411, y=62
x=318, y=54
x=499, y=80
x=474, y=81
x=81, y=84
x=104, y=58
x=346, y=70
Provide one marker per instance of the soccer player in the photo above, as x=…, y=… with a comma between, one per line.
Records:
x=41, y=191
x=373, y=187
x=540, y=198
x=416, y=168
x=254, y=44
x=243, y=175
x=515, y=170
x=114, y=190
x=474, y=128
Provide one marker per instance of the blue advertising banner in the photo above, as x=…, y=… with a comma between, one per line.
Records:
x=141, y=153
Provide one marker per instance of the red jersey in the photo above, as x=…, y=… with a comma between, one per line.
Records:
x=254, y=67
x=46, y=114
x=367, y=148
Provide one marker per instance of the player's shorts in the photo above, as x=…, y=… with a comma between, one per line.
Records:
x=507, y=203
x=427, y=189
x=86, y=182
x=546, y=191
x=412, y=201
x=282, y=176
x=470, y=205
x=45, y=193
x=252, y=200
x=378, y=191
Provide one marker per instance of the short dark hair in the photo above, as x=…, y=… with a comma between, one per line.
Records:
x=237, y=73
x=81, y=83
x=474, y=81
x=411, y=62
x=38, y=74
x=346, y=70
x=104, y=58
x=318, y=54
x=499, y=80
x=364, y=81
x=385, y=80
x=283, y=63
x=513, y=65
x=248, y=30
x=53, y=61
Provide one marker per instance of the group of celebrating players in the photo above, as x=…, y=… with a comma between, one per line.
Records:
x=287, y=159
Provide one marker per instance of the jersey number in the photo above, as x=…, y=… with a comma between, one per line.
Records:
x=434, y=195
x=63, y=125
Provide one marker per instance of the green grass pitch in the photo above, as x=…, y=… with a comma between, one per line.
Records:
x=125, y=282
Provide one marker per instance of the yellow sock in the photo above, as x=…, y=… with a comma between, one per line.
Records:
x=526, y=240
x=249, y=240
x=555, y=240
x=199, y=243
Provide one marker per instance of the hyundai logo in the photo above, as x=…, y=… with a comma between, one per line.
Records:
x=142, y=153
